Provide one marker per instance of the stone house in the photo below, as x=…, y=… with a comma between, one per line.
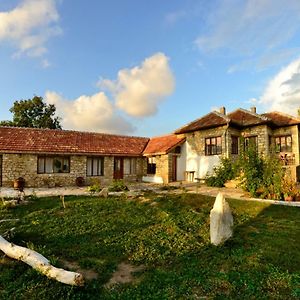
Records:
x=218, y=134
x=45, y=157
x=165, y=159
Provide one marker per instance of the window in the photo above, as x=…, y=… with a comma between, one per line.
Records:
x=151, y=166
x=213, y=145
x=234, y=145
x=95, y=166
x=130, y=166
x=283, y=143
x=250, y=141
x=53, y=164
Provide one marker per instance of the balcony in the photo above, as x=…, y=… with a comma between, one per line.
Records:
x=287, y=159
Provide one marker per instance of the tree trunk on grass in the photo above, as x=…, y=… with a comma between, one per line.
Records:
x=40, y=263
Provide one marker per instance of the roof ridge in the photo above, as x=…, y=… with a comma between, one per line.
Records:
x=73, y=131
x=284, y=114
x=250, y=113
x=196, y=120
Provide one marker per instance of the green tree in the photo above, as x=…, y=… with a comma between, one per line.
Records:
x=34, y=113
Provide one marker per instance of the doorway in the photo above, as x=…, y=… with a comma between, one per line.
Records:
x=174, y=168
x=0, y=170
x=118, y=167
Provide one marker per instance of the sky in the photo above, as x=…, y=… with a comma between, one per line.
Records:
x=146, y=68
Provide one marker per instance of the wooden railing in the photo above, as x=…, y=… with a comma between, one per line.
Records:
x=287, y=159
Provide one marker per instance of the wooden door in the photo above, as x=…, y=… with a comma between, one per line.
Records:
x=118, y=168
x=174, y=168
x=0, y=170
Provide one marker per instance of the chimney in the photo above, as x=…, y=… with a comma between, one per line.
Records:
x=223, y=110
x=253, y=109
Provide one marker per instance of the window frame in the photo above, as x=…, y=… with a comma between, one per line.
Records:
x=151, y=166
x=281, y=147
x=101, y=169
x=213, y=148
x=247, y=140
x=132, y=166
x=234, y=145
x=62, y=158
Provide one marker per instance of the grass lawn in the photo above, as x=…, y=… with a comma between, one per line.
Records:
x=169, y=236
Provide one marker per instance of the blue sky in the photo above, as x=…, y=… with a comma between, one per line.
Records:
x=148, y=67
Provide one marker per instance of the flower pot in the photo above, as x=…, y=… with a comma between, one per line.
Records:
x=19, y=184
x=288, y=198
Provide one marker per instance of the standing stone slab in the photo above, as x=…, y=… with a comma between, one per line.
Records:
x=104, y=193
x=221, y=221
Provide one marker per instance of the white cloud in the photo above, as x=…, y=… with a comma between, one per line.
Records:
x=173, y=17
x=251, y=29
x=29, y=26
x=89, y=113
x=283, y=91
x=139, y=91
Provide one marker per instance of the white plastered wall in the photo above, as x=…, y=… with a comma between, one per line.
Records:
x=191, y=161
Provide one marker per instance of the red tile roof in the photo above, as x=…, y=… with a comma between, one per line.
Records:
x=213, y=119
x=280, y=119
x=15, y=140
x=163, y=144
x=239, y=118
x=245, y=118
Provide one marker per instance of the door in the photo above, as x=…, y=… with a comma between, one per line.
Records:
x=0, y=170
x=118, y=167
x=174, y=168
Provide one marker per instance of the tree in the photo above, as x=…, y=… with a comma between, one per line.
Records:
x=33, y=113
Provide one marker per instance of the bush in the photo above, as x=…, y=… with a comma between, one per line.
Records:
x=227, y=170
x=95, y=188
x=118, y=186
x=251, y=165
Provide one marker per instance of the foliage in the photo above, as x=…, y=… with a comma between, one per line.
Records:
x=33, y=113
x=95, y=188
x=252, y=169
x=118, y=186
x=289, y=187
x=227, y=170
x=273, y=174
x=170, y=238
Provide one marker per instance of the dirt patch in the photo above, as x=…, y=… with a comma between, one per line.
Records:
x=123, y=274
x=88, y=274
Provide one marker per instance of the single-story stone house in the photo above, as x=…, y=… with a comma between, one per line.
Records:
x=45, y=157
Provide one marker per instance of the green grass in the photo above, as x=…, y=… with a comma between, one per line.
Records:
x=170, y=238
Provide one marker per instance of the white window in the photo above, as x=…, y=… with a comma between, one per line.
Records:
x=95, y=166
x=130, y=166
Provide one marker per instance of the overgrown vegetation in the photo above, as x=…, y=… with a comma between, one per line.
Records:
x=118, y=186
x=227, y=170
x=169, y=235
x=261, y=177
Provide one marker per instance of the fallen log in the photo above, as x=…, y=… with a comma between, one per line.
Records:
x=40, y=263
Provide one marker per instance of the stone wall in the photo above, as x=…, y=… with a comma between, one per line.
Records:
x=25, y=165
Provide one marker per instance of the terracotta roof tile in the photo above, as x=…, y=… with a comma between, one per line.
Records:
x=244, y=118
x=15, y=139
x=213, y=119
x=163, y=144
x=280, y=119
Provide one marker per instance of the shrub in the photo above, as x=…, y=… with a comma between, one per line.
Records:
x=95, y=188
x=118, y=186
x=227, y=170
x=251, y=165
